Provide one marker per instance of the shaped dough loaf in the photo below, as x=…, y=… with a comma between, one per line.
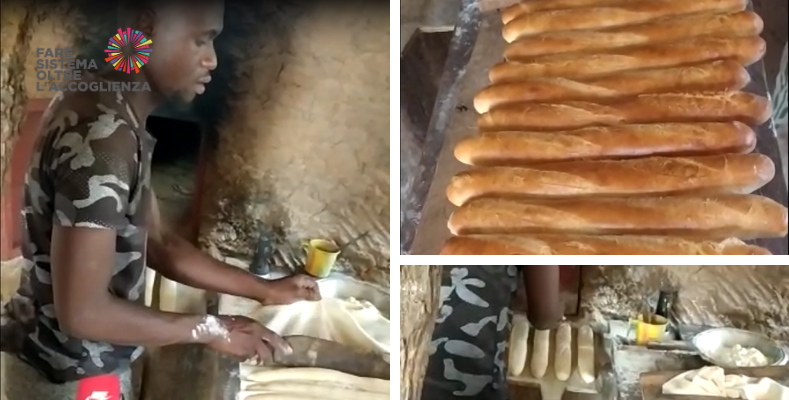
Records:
x=539, y=356
x=586, y=354
x=563, y=357
x=519, y=344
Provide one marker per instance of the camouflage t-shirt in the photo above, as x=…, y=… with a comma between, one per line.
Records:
x=90, y=169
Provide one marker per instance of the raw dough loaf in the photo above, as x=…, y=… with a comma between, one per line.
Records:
x=519, y=344
x=563, y=357
x=539, y=358
x=350, y=322
x=308, y=383
x=586, y=354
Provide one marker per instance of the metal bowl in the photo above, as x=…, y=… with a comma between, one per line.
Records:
x=344, y=287
x=709, y=342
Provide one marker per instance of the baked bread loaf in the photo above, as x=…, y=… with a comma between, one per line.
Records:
x=593, y=245
x=632, y=13
x=648, y=108
x=530, y=6
x=745, y=50
x=708, y=175
x=722, y=75
x=720, y=217
x=737, y=24
x=605, y=142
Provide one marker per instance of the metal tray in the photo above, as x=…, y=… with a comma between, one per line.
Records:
x=477, y=45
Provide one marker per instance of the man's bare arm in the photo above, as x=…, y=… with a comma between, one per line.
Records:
x=177, y=259
x=82, y=261
x=542, y=293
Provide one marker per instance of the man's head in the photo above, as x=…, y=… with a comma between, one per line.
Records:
x=182, y=35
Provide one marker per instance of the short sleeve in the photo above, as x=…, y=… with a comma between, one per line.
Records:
x=94, y=166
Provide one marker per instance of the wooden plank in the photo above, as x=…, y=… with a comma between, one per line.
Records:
x=652, y=382
x=432, y=232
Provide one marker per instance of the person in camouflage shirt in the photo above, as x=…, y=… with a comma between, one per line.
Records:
x=470, y=339
x=92, y=225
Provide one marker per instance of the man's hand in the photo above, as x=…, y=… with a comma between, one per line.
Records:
x=289, y=290
x=248, y=339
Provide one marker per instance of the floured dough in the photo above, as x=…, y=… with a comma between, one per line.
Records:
x=563, y=358
x=711, y=381
x=519, y=344
x=350, y=322
x=539, y=357
x=586, y=353
x=739, y=356
x=308, y=383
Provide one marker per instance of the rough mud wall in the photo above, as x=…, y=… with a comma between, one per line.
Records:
x=744, y=296
x=305, y=145
x=15, y=34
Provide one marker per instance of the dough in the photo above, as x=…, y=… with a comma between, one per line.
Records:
x=711, y=381
x=349, y=322
x=539, y=356
x=563, y=357
x=318, y=377
x=738, y=356
x=519, y=344
x=311, y=390
x=586, y=354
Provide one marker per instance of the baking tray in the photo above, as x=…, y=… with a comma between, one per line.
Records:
x=476, y=46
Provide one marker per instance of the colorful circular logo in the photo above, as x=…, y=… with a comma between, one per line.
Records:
x=137, y=50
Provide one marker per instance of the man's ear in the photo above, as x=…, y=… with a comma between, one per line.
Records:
x=146, y=22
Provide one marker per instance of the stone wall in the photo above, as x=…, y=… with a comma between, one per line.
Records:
x=743, y=296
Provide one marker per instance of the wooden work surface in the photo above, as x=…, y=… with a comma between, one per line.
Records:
x=488, y=49
x=573, y=384
x=602, y=365
x=652, y=382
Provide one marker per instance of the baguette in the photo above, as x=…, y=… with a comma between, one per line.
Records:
x=610, y=16
x=722, y=75
x=745, y=50
x=516, y=10
x=610, y=142
x=648, y=108
x=489, y=245
x=733, y=173
x=741, y=216
x=738, y=24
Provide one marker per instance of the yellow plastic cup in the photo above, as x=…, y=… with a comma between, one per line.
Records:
x=650, y=328
x=321, y=256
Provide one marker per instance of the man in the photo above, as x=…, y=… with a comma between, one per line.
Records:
x=91, y=219
x=473, y=327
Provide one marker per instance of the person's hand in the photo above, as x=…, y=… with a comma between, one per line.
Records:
x=248, y=339
x=290, y=290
